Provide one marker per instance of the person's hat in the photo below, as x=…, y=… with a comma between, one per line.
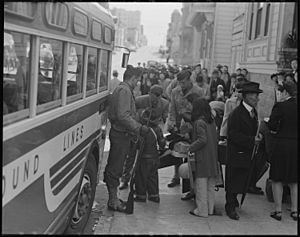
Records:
x=250, y=87
x=115, y=73
x=184, y=74
x=220, y=86
x=239, y=86
x=156, y=90
x=219, y=66
x=233, y=75
x=216, y=71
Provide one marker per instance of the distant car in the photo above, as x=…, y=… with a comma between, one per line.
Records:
x=153, y=63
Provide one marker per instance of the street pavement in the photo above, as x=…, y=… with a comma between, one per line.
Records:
x=171, y=215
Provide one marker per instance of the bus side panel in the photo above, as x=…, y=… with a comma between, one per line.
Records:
x=40, y=179
x=27, y=213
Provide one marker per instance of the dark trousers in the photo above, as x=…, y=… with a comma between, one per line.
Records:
x=129, y=161
x=119, y=149
x=231, y=201
x=147, y=178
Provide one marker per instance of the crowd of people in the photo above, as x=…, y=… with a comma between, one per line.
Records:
x=207, y=110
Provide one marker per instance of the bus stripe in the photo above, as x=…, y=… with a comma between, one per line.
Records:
x=65, y=160
x=67, y=179
x=67, y=169
x=29, y=140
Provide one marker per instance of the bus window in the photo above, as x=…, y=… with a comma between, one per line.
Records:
x=75, y=61
x=80, y=23
x=104, y=68
x=91, y=70
x=50, y=71
x=96, y=30
x=24, y=9
x=57, y=14
x=16, y=65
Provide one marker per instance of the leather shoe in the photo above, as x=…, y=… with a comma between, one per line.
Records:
x=188, y=196
x=154, y=199
x=174, y=182
x=255, y=191
x=233, y=215
x=123, y=186
x=119, y=208
x=139, y=199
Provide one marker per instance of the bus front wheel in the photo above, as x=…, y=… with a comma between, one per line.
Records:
x=85, y=199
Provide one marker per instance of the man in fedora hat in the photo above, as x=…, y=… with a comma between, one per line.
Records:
x=242, y=128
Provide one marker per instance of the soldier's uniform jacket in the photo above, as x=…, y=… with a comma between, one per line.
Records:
x=180, y=105
x=161, y=109
x=122, y=111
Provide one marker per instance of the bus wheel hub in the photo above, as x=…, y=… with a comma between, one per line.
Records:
x=84, y=199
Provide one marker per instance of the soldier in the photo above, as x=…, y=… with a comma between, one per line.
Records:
x=242, y=127
x=114, y=82
x=160, y=109
x=124, y=129
x=179, y=108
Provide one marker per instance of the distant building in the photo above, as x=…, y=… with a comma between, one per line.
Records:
x=186, y=46
x=128, y=27
x=173, y=36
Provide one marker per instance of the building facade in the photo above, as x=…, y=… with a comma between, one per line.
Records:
x=128, y=28
x=269, y=43
x=173, y=37
x=208, y=27
x=259, y=36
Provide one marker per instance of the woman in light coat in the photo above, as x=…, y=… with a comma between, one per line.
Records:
x=206, y=158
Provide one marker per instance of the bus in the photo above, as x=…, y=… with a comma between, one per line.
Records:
x=57, y=61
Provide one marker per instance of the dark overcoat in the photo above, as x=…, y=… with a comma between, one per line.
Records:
x=241, y=134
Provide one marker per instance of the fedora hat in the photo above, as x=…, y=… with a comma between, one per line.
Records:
x=250, y=87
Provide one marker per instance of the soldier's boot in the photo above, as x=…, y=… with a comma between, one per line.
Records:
x=114, y=203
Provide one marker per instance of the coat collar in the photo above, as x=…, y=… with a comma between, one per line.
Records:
x=246, y=115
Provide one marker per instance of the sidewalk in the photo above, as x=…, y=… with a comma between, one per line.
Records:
x=171, y=215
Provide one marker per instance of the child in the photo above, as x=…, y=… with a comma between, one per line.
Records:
x=220, y=93
x=146, y=173
x=206, y=158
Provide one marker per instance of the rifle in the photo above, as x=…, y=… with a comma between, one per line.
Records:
x=130, y=201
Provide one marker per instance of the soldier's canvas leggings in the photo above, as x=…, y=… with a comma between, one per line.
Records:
x=147, y=178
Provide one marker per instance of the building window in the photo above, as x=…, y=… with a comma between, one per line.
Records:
x=258, y=20
x=251, y=21
x=267, y=19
